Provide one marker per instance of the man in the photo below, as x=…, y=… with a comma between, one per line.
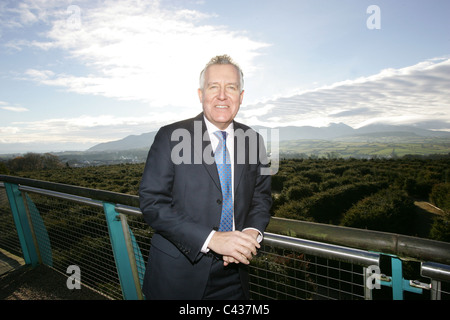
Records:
x=184, y=189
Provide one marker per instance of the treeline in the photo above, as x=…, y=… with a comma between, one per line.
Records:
x=377, y=194
x=31, y=162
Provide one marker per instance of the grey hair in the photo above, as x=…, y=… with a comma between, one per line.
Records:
x=223, y=59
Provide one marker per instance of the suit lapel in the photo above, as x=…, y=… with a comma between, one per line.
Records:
x=198, y=153
x=238, y=167
x=198, y=125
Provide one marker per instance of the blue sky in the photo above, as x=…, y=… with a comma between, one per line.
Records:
x=77, y=73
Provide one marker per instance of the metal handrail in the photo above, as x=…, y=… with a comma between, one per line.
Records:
x=101, y=195
x=407, y=247
x=61, y=195
x=403, y=246
x=435, y=271
x=323, y=250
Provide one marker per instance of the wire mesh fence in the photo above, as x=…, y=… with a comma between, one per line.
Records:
x=285, y=275
x=69, y=233
x=79, y=236
x=444, y=291
x=9, y=239
x=141, y=240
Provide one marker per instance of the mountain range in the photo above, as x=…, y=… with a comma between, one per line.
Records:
x=335, y=131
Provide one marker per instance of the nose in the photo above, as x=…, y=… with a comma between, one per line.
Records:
x=222, y=95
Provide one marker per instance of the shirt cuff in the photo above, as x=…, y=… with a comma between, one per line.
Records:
x=205, y=248
x=260, y=235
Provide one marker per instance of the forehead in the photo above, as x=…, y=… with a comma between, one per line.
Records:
x=222, y=72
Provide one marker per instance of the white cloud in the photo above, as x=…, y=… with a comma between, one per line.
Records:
x=134, y=50
x=14, y=109
x=415, y=94
x=263, y=110
x=7, y=131
x=6, y=106
x=85, y=129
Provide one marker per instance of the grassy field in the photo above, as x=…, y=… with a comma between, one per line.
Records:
x=346, y=149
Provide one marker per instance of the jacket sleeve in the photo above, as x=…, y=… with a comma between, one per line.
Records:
x=156, y=200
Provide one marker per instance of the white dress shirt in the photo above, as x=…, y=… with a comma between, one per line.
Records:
x=230, y=146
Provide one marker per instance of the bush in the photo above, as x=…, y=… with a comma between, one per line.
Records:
x=299, y=192
x=3, y=168
x=440, y=196
x=440, y=230
x=329, y=206
x=293, y=210
x=34, y=161
x=389, y=210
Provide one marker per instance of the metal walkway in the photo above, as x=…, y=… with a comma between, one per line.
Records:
x=9, y=262
x=19, y=281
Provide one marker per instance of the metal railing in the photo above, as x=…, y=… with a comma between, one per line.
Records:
x=104, y=235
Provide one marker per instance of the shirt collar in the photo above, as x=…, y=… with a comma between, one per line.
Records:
x=212, y=128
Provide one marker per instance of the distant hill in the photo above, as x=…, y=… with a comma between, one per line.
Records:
x=383, y=128
x=335, y=131
x=144, y=140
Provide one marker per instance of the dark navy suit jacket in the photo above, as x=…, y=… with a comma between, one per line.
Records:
x=182, y=203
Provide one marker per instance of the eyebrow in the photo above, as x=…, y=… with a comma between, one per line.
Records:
x=228, y=83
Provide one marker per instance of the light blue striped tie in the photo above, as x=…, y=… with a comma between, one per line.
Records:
x=222, y=157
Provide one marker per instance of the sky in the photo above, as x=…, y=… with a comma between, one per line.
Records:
x=77, y=73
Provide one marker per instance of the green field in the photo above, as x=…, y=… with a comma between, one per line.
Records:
x=351, y=149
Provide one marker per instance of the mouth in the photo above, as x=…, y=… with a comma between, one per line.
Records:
x=222, y=107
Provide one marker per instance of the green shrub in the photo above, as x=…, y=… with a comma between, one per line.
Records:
x=389, y=210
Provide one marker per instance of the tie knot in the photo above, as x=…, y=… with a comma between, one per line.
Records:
x=222, y=135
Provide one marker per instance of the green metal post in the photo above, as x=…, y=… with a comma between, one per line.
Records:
x=121, y=257
x=39, y=231
x=133, y=256
x=397, y=279
x=18, y=209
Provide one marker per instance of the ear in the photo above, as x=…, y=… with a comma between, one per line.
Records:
x=241, y=97
x=200, y=95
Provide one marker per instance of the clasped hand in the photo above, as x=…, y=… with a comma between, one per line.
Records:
x=235, y=246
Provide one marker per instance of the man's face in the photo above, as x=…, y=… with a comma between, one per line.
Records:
x=221, y=96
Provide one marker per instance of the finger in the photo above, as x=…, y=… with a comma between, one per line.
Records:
x=242, y=244
x=227, y=260
x=242, y=258
x=249, y=241
x=236, y=257
x=248, y=250
x=244, y=239
x=237, y=245
x=247, y=253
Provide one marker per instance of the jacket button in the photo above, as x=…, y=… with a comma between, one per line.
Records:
x=219, y=201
